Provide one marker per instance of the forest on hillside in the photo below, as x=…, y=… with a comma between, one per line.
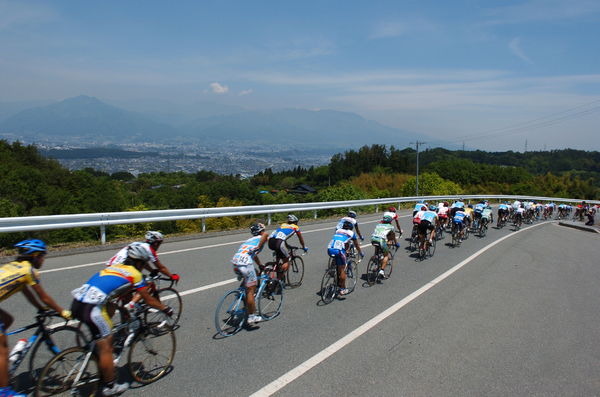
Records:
x=32, y=184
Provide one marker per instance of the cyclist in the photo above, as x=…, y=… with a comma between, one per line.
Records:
x=382, y=235
x=418, y=206
x=92, y=301
x=503, y=211
x=443, y=210
x=487, y=215
x=350, y=217
x=469, y=218
x=478, y=210
x=392, y=212
x=21, y=275
x=519, y=214
x=277, y=242
x=429, y=220
x=153, y=240
x=243, y=266
x=459, y=221
x=337, y=249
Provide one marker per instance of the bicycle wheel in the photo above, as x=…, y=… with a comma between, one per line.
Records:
x=231, y=313
x=168, y=296
x=270, y=299
x=151, y=354
x=372, y=270
x=295, y=272
x=422, y=251
x=483, y=230
x=351, y=275
x=329, y=285
x=58, y=376
x=388, y=269
x=431, y=248
x=55, y=341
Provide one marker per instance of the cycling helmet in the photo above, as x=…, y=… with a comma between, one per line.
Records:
x=153, y=237
x=347, y=225
x=470, y=206
x=137, y=251
x=420, y=201
x=31, y=246
x=352, y=214
x=432, y=208
x=257, y=228
x=392, y=209
x=387, y=219
x=291, y=218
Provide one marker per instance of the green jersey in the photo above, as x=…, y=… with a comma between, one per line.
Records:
x=382, y=230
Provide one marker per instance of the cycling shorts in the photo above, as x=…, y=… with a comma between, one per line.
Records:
x=458, y=224
x=278, y=246
x=247, y=273
x=424, y=226
x=338, y=255
x=94, y=316
x=382, y=243
x=443, y=216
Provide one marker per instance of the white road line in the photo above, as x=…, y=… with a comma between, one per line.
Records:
x=181, y=250
x=318, y=358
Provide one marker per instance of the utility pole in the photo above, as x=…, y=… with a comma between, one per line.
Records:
x=525, y=146
x=417, y=144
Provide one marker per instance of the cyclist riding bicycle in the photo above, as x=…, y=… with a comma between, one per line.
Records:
x=392, y=212
x=487, y=215
x=478, y=210
x=503, y=211
x=429, y=220
x=277, y=242
x=94, y=300
x=350, y=217
x=21, y=275
x=337, y=249
x=243, y=267
x=443, y=211
x=384, y=233
x=459, y=221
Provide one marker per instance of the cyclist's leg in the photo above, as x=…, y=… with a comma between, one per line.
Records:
x=248, y=273
x=341, y=267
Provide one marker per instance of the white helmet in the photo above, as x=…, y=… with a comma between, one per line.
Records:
x=138, y=251
x=153, y=236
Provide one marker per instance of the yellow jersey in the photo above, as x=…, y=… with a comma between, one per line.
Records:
x=14, y=276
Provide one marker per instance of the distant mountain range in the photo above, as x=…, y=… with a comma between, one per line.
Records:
x=86, y=117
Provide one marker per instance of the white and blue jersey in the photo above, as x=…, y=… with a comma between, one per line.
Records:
x=337, y=245
x=458, y=204
x=340, y=224
x=503, y=207
x=479, y=207
x=429, y=216
x=459, y=217
x=243, y=257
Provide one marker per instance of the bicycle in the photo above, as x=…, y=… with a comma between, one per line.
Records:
x=54, y=338
x=414, y=238
x=483, y=227
x=154, y=316
x=75, y=371
x=374, y=264
x=426, y=248
x=456, y=234
x=330, y=280
x=295, y=272
x=231, y=314
x=439, y=231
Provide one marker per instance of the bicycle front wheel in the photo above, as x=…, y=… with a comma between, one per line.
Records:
x=168, y=296
x=66, y=375
x=329, y=285
x=52, y=343
x=231, y=313
x=151, y=354
x=372, y=270
x=431, y=248
x=295, y=272
x=270, y=299
x=351, y=275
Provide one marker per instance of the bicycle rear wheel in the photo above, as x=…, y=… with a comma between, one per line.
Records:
x=329, y=285
x=151, y=354
x=57, y=340
x=270, y=299
x=295, y=272
x=351, y=275
x=431, y=248
x=372, y=270
x=170, y=295
x=231, y=313
x=58, y=376
x=388, y=269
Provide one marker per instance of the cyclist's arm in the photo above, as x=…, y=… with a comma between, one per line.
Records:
x=399, y=228
x=301, y=239
x=162, y=268
x=43, y=296
x=357, y=246
x=150, y=300
x=358, y=233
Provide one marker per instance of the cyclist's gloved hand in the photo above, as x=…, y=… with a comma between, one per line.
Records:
x=362, y=254
x=305, y=249
x=397, y=245
x=154, y=273
x=175, y=277
x=66, y=314
x=169, y=311
x=362, y=238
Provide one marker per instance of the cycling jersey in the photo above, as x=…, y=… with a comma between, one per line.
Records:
x=120, y=256
x=443, y=212
x=242, y=257
x=285, y=231
x=418, y=216
x=429, y=216
x=382, y=230
x=339, y=240
x=479, y=207
x=392, y=214
x=458, y=204
x=14, y=276
x=487, y=213
x=469, y=212
x=110, y=282
x=340, y=224
x=503, y=207
x=459, y=217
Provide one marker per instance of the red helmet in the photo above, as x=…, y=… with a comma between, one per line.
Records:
x=392, y=209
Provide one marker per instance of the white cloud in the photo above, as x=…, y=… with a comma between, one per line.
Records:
x=217, y=88
x=245, y=92
x=515, y=48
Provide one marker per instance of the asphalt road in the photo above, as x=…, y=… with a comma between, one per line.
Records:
x=514, y=313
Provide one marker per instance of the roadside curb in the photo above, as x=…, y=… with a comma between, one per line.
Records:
x=580, y=227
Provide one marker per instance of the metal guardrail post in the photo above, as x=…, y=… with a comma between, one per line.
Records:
x=203, y=225
x=376, y=208
x=315, y=214
x=103, y=234
x=269, y=219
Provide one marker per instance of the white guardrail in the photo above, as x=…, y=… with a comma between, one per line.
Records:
x=36, y=223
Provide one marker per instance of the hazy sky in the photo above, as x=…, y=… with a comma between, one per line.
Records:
x=491, y=73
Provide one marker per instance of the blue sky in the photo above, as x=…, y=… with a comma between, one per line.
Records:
x=491, y=73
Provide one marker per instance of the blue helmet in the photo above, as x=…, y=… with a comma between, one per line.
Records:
x=31, y=246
